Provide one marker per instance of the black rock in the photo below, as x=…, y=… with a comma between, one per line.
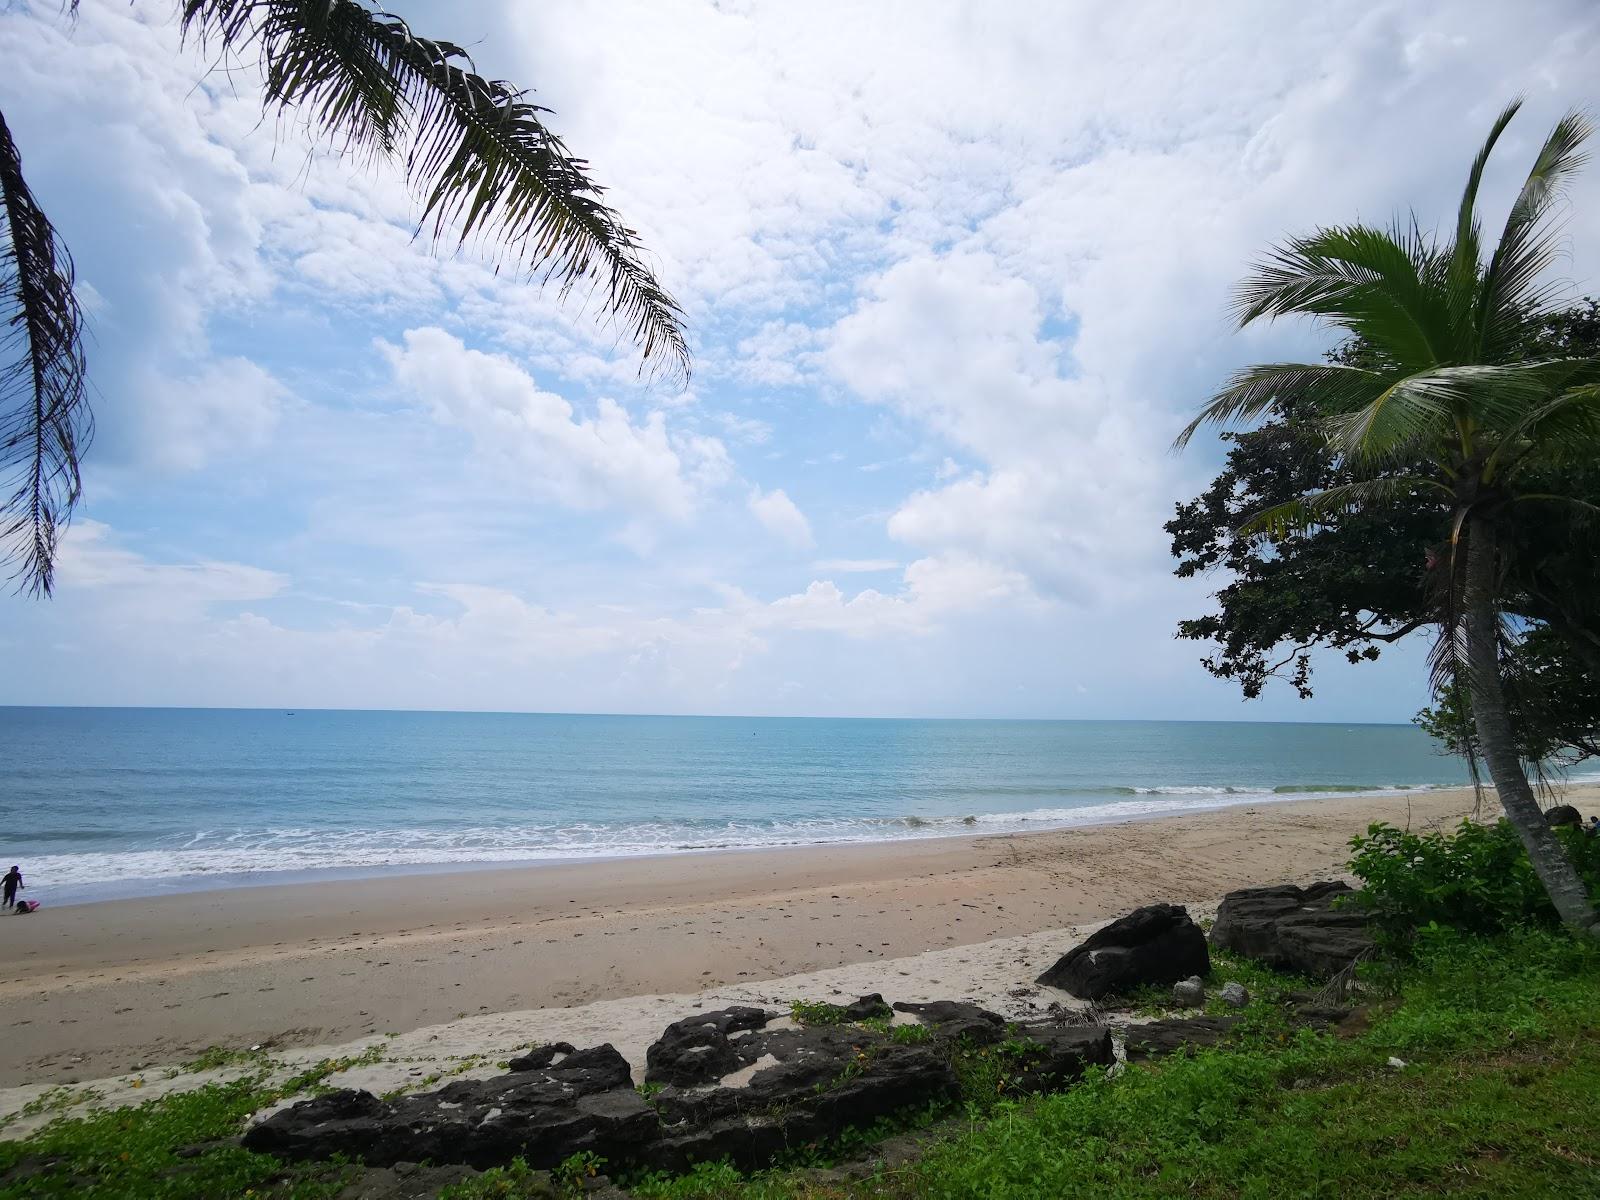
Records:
x=586, y=1102
x=1562, y=814
x=954, y=1020
x=867, y=1008
x=1058, y=1056
x=539, y=1056
x=697, y=1049
x=1157, y=944
x=1293, y=929
x=1156, y=1038
x=821, y=1080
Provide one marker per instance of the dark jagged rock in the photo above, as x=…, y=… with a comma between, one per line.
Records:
x=1156, y=1038
x=794, y=1087
x=697, y=1049
x=1056, y=1056
x=1562, y=814
x=1292, y=928
x=821, y=1080
x=1157, y=944
x=585, y=1102
x=866, y=1008
x=539, y=1056
x=954, y=1020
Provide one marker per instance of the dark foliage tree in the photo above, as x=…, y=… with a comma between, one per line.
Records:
x=1443, y=406
x=1358, y=581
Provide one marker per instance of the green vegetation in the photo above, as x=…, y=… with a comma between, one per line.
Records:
x=215, y=1057
x=1476, y=880
x=1443, y=409
x=816, y=1012
x=1498, y=1097
x=119, y=1153
x=1476, y=1071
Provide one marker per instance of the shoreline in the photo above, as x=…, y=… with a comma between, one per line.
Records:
x=101, y=988
x=148, y=887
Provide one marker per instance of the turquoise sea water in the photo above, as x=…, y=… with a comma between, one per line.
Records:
x=99, y=802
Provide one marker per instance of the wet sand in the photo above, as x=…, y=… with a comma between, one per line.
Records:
x=94, y=990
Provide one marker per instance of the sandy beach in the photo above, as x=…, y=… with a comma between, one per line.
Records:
x=95, y=990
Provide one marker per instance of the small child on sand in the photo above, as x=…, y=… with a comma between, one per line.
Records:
x=10, y=883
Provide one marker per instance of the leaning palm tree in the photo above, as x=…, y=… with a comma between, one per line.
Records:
x=1447, y=385
x=486, y=168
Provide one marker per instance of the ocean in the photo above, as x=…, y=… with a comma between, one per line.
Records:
x=103, y=803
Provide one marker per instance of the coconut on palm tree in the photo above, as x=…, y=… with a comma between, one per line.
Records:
x=1446, y=383
x=478, y=152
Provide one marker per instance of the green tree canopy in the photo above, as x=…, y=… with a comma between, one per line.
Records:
x=1360, y=580
x=1442, y=404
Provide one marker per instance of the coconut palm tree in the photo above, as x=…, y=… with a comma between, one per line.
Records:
x=485, y=166
x=1447, y=384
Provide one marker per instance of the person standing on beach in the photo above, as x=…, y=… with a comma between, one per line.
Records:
x=11, y=881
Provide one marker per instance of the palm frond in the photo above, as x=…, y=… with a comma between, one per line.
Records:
x=1253, y=391
x=45, y=423
x=1530, y=242
x=479, y=153
x=1381, y=285
x=1467, y=249
x=1566, y=428
x=1309, y=512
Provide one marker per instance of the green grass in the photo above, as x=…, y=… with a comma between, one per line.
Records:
x=1500, y=1097
x=115, y=1153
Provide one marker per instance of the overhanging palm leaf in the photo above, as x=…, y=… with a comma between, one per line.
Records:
x=1256, y=390
x=1310, y=511
x=476, y=149
x=44, y=413
x=1529, y=244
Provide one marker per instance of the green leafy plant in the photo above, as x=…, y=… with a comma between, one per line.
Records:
x=816, y=1012
x=1477, y=880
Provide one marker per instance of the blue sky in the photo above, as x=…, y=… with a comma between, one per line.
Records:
x=956, y=274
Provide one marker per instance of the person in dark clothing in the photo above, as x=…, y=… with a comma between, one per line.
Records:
x=9, y=883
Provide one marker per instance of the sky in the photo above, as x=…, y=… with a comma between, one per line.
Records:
x=955, y=275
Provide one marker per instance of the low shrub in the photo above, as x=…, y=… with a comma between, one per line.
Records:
x=1477, y=880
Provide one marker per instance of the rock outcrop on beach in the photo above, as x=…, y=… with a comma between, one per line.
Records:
x=734, y=1087
x=1293, y=929
x=583, y=1102
x=1158, y=944
x=699, y=1049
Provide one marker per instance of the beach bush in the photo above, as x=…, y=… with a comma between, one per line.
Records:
x=1477, y=880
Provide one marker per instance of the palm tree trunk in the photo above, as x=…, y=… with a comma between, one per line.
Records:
x=1495, y=739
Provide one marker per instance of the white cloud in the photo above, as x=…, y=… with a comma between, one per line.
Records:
x=781, y=516
x=607, y=460
x=855, y=566
x=1004, y=307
